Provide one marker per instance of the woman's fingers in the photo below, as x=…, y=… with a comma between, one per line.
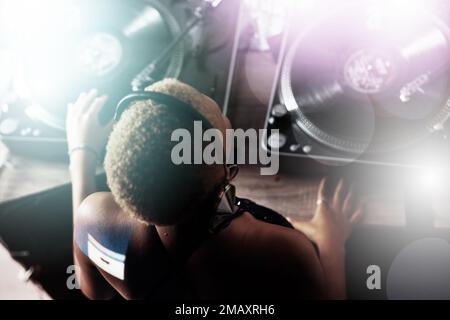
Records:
x=81, y=98
x=89, y=100
x=359, y=213
x=84, y=101
x=323, y=195
x=321, y=192
x=96, y=106
x=339, y=194
x=349, y=201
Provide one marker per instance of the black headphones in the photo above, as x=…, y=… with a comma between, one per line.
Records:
x=176, y=105
x=225, y=203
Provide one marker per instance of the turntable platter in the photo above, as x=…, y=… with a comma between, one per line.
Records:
x=107, y=44
x=356, y=86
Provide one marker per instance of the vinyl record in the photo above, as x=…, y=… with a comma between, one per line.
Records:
x=99, y=44
x=366, y=80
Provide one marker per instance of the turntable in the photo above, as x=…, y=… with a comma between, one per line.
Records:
x=364, y=84
x=61, y=49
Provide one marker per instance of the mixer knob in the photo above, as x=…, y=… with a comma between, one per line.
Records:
x=277, y=141
x=279, y=110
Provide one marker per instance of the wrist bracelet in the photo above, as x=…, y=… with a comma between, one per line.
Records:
x=83, y=147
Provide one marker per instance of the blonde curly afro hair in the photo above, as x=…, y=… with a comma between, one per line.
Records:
x=140, y=173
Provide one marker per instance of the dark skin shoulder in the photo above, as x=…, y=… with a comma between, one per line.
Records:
x=147, y=261
x=248, y=259
x=255, y=259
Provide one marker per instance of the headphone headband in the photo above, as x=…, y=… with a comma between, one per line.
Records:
x=175, y=105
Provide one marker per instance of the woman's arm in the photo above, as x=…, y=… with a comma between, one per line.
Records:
x=86, y=138
x=82, y=173
x=329, y=229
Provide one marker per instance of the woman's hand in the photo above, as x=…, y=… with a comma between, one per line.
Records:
x=335, y=216
x=82, y=124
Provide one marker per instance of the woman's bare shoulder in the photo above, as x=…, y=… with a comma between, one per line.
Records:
x=246, y=234
x=100, y=207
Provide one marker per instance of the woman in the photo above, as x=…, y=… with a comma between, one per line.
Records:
x=158, y=234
